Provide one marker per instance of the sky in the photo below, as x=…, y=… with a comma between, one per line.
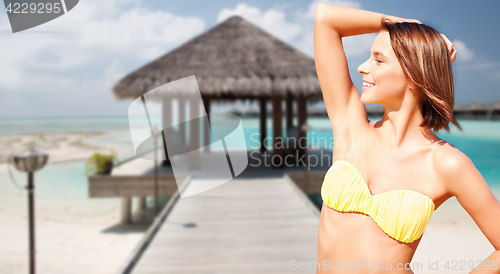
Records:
x=68, y=66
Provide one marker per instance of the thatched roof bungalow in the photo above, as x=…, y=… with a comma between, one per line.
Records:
x=251, y=112
x=235, y=111
x=477, y=110
x=235, y=60
x=317, y=111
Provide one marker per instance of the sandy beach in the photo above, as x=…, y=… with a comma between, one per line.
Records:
x=74, y=234
x=61, y=147
x=451, y=242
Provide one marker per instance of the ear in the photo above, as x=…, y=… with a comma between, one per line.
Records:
x=412, y=86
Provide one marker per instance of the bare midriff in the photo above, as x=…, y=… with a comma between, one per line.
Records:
x=354, y=243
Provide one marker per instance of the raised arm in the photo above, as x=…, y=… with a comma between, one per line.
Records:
x=346, y=112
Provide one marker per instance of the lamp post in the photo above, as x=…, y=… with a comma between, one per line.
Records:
x=30, y=161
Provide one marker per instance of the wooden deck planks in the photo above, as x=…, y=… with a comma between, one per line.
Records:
x=243, y=226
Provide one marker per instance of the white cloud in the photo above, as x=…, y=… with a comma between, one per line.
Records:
x=273, y=21
x=359, y=44
x=139, y=30
x=299, y=31
x=353, y=46
x=463, y=52
x=495, y=75
x=482, y=64
x=467, y=60
x=78, y=55
x=345, y=3
x=491, y=68
x=82, y=38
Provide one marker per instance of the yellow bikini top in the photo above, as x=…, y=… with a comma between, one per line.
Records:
x=401, y=214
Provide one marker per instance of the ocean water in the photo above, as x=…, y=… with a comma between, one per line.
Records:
x=480, y=140
x=59, y=125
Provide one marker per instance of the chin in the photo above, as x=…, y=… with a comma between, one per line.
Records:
x=365, y=100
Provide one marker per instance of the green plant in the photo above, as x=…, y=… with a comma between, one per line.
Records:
x=101, y=163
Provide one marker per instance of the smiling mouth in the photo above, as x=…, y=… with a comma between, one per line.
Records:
x=368, y=85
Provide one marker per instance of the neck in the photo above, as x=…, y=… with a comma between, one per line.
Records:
x=400, y=124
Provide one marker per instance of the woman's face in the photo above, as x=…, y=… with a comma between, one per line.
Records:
x=383, y=79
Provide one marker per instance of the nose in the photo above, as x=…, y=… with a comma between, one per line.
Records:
x=363, y=68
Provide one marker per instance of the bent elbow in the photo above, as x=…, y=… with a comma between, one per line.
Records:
x=325, y=13
x=319, y=13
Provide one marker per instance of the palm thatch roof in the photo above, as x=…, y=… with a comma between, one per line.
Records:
x=317, y=111
x=234, y=59
x=474, y=106
x=235, y=110
x=458, y=107
x=493, y=106
x=251, y=111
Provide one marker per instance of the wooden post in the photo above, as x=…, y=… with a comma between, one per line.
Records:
x=263, y=123
x=182, y=118
x=156, y=178
x=302, y=120
x=126, y=214
x=289, y=112
x=206, y=128
x=194, y=131
x=141, y=203
x=166, y=123
x=31, y=214
x=277, y=160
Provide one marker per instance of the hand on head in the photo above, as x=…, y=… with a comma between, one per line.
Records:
x=449, y=44
x=395, y=19
x=451, y=48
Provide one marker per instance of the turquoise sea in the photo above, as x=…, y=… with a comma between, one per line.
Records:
x=480, y=140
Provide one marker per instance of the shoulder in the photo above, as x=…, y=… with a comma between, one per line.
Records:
x=448, y=158
x=450, y=164
x=466, y=183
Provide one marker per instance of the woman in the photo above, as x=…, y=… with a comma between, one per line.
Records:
x=388, y=176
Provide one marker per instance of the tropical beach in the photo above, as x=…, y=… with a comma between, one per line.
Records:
x=69, y=225
x=217, y=111
x=87, y=234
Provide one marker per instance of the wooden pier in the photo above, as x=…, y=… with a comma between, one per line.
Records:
x=134, y=178
x=260, y=222
x=244, y=226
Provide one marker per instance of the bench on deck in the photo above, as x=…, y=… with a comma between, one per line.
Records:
x=134, y=178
